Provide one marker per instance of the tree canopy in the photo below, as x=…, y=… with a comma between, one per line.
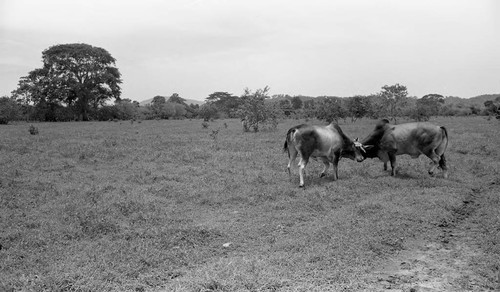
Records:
x=225, y=102
x=79, y=76
x=429, y=105
x=394, y=97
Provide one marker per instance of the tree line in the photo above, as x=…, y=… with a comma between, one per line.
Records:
x=81, y=82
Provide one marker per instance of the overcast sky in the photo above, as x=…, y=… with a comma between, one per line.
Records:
x=197, y=47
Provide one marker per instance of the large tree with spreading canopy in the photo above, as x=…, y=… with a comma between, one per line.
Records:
x=79, y=76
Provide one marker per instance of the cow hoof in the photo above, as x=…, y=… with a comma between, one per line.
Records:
x=322, y=175
x=301, y=186
x=431, y=173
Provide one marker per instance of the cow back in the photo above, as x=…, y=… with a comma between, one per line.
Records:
x=412, y=138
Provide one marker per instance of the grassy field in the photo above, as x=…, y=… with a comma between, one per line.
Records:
x=172, y=206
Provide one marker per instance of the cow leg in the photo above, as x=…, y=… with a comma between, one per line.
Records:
x=302, y=166
x=292, y=155
x=392, y=159
x=327, y=166
x=384, y=157
x=442, y=165
x=335, y=163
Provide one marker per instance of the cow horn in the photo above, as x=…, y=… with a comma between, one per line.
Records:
x=358, y=144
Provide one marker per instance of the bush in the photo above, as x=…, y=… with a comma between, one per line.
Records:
x=107, y=113
x=9, y=110
x=33, y=130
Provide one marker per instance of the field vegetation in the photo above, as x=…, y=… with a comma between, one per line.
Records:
x=171, y=205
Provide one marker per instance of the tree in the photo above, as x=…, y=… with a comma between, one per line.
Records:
x=492, y=107
x=296, y=102
x=168, y=110
x=358, y=107
x=158, y=106
x=9, y=110
x=429, y=105
x=175, y=98
x=253, y=111
x=37, y=95
x=208, y=111
x=285, y=104
x=394, y=97
x=331, y=109
x=225, y=103
x=126, y=109
x=180, y=110
x=77, y=75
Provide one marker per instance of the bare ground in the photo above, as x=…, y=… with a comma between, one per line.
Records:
x=441, y=264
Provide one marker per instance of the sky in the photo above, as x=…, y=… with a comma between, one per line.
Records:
x=311, y=47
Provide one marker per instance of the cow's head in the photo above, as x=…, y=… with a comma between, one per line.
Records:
x=367, y=151
x=353, y=152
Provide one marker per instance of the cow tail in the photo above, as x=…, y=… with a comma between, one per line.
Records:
x=288, y=139
x=445, y=132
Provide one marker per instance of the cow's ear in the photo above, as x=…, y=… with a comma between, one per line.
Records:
x=368, y=147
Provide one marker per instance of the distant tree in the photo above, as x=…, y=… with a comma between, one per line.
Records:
x=208, y=112
x=296, y=102
x=377, y=109
x=180, y=110
x=158, y=100
x=77, y=75
x=474, y=109
x=9, y=110
x=225, y=103
x=253, y=111
x=158, y=106
x=285, y=104
x=145, y=113
x=358, y=107
x=107, y=113
x=427, y=106
x=309, y=104
x=394, y=98
x=192, y=110
x=175, y=98
x=447, y=110
x=310, y=108
x=492, y=107
x=126, y=109
x=331, y=109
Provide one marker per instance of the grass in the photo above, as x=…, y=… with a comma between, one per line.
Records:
x=171, y=206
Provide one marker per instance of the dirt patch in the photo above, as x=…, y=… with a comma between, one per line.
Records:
x=429, y=267
x=439, y=265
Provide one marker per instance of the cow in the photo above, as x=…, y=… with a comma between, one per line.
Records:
x=328, y=143
x=387, y=141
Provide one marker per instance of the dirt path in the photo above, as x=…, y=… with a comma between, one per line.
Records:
x=429, y=267
x=440, y=265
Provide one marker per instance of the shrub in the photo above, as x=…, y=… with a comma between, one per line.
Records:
x=33, y=130
x=9, y=110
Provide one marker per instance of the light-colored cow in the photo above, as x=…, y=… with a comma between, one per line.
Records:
x=328, y=143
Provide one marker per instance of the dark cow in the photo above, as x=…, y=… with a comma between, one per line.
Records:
x=327, y=143
x=414, y=139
